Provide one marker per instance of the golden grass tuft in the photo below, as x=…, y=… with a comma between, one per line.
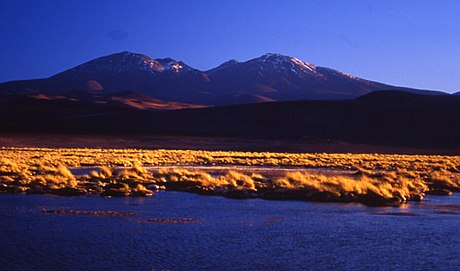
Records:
x=56, y=177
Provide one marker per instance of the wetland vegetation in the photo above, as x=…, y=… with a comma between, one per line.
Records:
x=370, y=179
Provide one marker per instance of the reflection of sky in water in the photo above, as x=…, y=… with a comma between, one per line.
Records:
x=192, y=232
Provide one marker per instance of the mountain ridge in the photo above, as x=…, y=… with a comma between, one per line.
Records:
x=270, y=77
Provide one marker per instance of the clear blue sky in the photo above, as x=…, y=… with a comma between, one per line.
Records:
x=407, y=43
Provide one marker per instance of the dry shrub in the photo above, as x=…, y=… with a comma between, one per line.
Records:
x=444, y=179
x=233, y=180
x=7, y=166
x=103, y=173
x=344, y=184
x=114, y=175
x=56, y=177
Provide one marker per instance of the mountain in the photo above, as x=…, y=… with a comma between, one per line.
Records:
x=271, y=77
x=457, y=93
x=163, y=79
x=275, y=77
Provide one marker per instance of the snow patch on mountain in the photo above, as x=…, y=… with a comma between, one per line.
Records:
x=120, y=63
x=303, y=65
x=282, y=63
x=173, y=66
x=339, y=73
x=127, y=62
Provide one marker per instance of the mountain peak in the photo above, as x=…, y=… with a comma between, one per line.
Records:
x=119, y=63
x=226, y=65
x=285, y=58
x=279, y=62
x=127, y=53
x=273, y=56
x=126, y=57
x=129, y=62
x=231, y=62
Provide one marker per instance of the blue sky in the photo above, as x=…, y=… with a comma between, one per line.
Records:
x=407, y=43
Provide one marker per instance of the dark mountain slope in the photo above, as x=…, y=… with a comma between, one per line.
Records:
x=116, y=99
x=407, y=120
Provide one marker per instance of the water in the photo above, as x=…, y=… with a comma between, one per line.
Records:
x=227, y=234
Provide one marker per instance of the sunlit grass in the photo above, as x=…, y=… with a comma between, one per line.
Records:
x=123, y=172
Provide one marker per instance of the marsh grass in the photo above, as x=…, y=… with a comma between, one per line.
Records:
x=123, y=173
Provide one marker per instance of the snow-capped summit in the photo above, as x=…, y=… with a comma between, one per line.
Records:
x=127, y=62
x=283, y=64
x=279, y=59
x=120, y=63
x=125, y=71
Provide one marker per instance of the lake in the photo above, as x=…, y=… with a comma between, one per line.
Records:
x=182, y=231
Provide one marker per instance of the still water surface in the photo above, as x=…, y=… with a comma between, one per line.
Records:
x=226, y=234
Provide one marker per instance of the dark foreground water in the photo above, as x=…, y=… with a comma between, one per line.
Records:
x=226, y=234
